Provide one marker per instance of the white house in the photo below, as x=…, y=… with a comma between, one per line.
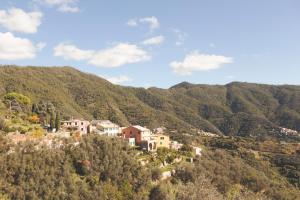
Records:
x=105, y=127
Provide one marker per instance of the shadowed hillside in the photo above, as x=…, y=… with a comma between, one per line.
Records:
x=234, y=109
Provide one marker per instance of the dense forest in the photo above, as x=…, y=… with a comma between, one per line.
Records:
x=251, y=159
x=235, y=109
x=106, y=168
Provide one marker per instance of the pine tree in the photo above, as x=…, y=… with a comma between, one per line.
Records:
x=52, y=121
x=57, y=122
x=35, y=108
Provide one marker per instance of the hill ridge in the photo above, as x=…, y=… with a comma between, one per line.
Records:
x=233, y=109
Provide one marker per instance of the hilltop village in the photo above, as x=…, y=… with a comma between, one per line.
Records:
x=136, y=136
x=151, y=147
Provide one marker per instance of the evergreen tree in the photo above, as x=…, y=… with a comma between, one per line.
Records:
x=57, y=121
x=52, y=121
x=35, y=109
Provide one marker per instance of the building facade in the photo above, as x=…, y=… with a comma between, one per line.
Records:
x=145, y=139
x=139, y=133
x=155, y=141
x=105, y=127
x=149, y=145
x=81, y=126
x=162, y=140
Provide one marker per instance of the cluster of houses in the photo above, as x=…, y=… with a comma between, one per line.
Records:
x=287, y=131
x=135, y=135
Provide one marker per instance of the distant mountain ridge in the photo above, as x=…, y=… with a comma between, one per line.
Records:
x=244, y=109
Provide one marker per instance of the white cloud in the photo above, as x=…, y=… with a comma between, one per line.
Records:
x=154, y=41
x=151, y=21
x=132, y=22
x=14, y=48
x=17, y=20
x=41, y=45
x=71, y=52
x=68, y=8
x=199, y=62
x=63, y=5
x=118, y=79
x=118, y=55
x=180, y=37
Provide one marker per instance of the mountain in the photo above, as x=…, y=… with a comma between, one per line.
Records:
x=243, y=109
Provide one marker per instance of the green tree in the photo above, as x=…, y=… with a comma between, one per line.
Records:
x=20, y=98
x=57, y=121
x=52, y=120
x=201, y=189
x=34, y=108
x=3, y=124
x=17, y=102
x=159, y=193
x=155, y=174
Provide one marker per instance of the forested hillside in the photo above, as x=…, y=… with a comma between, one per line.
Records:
x=249, y=161
x=242, y=109
x=100, y=167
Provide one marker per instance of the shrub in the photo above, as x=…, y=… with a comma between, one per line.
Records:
x=159, y=193
x=201, y=189
x=3, y=124
x=185, y=173
x=155, y=174
x=20, y=98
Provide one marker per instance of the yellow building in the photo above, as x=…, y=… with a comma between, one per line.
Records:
x=155, y=141
x=162, y=140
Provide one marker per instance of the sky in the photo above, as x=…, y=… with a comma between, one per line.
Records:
x=157, y=43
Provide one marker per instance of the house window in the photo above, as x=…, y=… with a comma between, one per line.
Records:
x=75, y=123
x=162, y=138
x=81, y=129
x=81, y=123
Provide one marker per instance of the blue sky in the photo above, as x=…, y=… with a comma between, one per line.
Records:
x=157, y=43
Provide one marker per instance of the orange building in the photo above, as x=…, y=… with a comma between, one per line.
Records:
x=139, y=133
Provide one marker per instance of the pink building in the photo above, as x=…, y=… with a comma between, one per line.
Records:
x=76, y=125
